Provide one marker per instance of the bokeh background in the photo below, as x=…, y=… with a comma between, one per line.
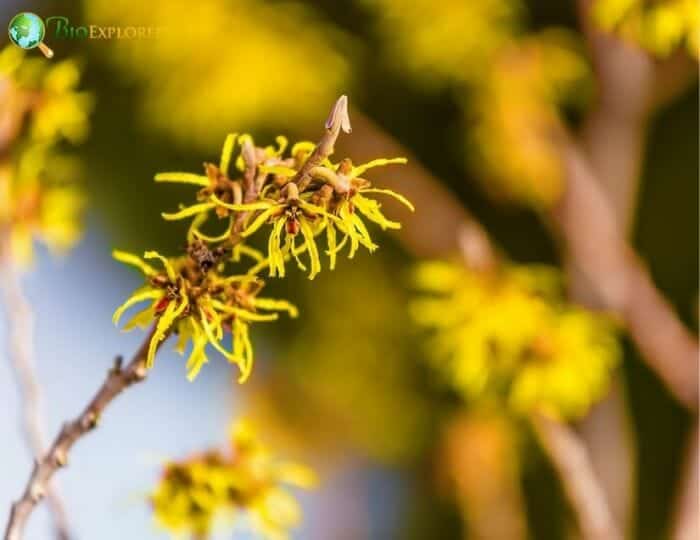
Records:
x=345, y=387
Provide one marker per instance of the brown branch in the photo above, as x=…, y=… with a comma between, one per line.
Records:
x=599, y=253
x=118, y=379
x=571, y=460
x=687, y=520
x=441, y=225
x=21, y=344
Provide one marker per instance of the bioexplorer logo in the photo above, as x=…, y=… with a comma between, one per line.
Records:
x=27, y=30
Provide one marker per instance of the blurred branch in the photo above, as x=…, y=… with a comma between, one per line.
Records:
x=599, y=253
x=443, y=228
x=20, y=321
x=479, y=464
x=118, y=380
x=580, y=484
x=687, y=521
x=441, y=225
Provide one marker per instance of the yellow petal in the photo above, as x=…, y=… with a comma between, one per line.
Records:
x=166, y=264
x=357, y=171
x=134, y=260
x=403, y=200
x=183, y=178
x=188, y=211
x=226, y=153
x=141, y=294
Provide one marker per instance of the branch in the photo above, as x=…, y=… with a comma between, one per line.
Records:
x=686, y=521
x=569, y=457
x=599, y=253
x=118, y=380
x=442, y=226
x=21, y=344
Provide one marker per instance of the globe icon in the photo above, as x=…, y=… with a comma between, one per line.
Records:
x=27, y=31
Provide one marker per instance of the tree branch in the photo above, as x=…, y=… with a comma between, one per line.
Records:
x=118, y=379
x=687, y=521
x=571, y=460
x=21, y=352
x=599, y=253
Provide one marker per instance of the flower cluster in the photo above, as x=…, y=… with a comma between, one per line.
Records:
x=192, y=493
x=659, y=27
x=546, y=69
x=508, y=334
x=457, y=44
x=39, y=108
x=296, y=198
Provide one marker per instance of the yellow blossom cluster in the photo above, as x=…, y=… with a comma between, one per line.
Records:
x=518, y=109
x=295, y=197
x=509, y=335
x=512, y=85
x=40, y=106
x=659, y=26
x=457, y=44
x=191, y=494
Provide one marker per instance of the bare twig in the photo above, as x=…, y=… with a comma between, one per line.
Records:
x=118, y=379
x=442, y=226
x=21, y=352
x=569, y=457
x=599, y=252
x=686, y=521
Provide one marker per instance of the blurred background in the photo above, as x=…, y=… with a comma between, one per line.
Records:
x=460, y=86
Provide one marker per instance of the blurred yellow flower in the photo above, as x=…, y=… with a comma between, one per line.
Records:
x=39, y=107
x=193, y=299
x=659, y=26
x=192, y=493
x=215, y=64
x=449, y=40
x=517, y=120
x=509, y=335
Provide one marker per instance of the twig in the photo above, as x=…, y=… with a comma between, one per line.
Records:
x=337, y=120
x=569, y=457
x=686, y=523
x=118, y=379
x=21, y=352
x=599, y=252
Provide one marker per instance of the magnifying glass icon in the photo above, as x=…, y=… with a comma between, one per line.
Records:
x=27, y=31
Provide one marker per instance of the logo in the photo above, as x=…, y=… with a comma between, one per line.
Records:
x=27, y=31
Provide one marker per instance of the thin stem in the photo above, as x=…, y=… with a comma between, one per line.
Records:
x=686, y=524
x=20, y=323
x=118, y=379
x=570, y=458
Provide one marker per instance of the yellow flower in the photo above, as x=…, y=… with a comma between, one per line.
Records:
x=39, y=107
x=510, y=335
x=458, y=42
x=193, y=492
x=548, y=71
x=190, y=297
x=660, y=27
x=333, y=201
x=193, y=95
x=38, y=208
